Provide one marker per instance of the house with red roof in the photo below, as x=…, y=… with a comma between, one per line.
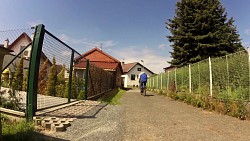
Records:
x=132, y=72
x=102, y=60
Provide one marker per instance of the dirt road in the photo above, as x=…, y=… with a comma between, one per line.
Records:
x=156, y=118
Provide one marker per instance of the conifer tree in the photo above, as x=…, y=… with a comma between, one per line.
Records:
x=42, y=77
x=18, y=76
x=25, y=80
x=200, y=29
x=52, y=79
x=74, y=87
x=60, y=88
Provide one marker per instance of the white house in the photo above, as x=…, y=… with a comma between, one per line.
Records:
x=132, y=72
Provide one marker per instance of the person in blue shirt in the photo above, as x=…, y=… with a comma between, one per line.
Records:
x=143, y=80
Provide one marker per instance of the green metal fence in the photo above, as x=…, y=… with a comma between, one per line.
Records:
x=226, y=78
x=49, y=72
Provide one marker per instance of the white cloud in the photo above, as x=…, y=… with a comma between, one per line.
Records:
x=34, y=23
x=152, y=59
x=247, y=31
x=246, y=44
x=162, y=46
x=87, y=43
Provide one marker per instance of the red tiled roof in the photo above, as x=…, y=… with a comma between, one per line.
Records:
x=103, y=65
x=127, y=67
x=96, y=54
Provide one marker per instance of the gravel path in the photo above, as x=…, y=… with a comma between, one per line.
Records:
x=155, y=118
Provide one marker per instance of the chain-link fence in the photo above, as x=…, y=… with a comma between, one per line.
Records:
x=226, y=78
x=15, y=66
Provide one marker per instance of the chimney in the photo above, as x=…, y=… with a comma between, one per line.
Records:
x=6, y=43
x=32, y=36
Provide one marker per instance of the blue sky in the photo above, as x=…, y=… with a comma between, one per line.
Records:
x=129, y=30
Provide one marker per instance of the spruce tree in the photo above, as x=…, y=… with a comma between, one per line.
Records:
x=25, y=80
x=200, y=30
x=52, y=79
x=74, y=87
x=60, y=88
x=42, y=77
x=18, y=76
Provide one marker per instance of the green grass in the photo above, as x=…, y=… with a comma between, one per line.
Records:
x=113, y=96
x=17, y=130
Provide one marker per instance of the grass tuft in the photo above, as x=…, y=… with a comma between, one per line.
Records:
x=113, y=96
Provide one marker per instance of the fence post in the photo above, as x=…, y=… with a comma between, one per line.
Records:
x=161, y=81
x=210, y=77
x=199, y=87
x=168, y=81
x=248, y=52
x=70, y=75
x=153, y=82
x=86, y=80
x=227, y=78
x=31, y=105
x=157, y=80
x=175, y=80
x=190, y=81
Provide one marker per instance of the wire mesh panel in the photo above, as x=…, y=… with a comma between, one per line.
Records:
x=238, y=79
x=99, y=81
x=204, y=78
x=54, y=70
x=220, y=77
x=182, y=78
x=164, y=81
x=15, y=67
x=171, y=85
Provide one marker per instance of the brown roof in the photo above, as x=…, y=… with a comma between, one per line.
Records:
x=96, y=54
x=127, y=67
x=1, y=46
x=23, y=35
x=98, y=58
x=103, y=65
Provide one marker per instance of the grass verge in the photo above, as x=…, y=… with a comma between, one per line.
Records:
x=113, y=96
x=16, y=130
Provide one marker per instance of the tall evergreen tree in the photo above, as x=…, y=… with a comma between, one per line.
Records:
x=60, y=87
x=25, y=80
x=52, y=79
x=18, y=76
x=42, y=77
x=200, y=30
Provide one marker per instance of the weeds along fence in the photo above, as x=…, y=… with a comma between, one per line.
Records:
x=224, y=77
x=43, y=72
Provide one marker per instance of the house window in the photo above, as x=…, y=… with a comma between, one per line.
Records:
x=138, y=69
x=132, y=77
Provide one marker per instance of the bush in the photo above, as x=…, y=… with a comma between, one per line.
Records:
x=81, y=95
